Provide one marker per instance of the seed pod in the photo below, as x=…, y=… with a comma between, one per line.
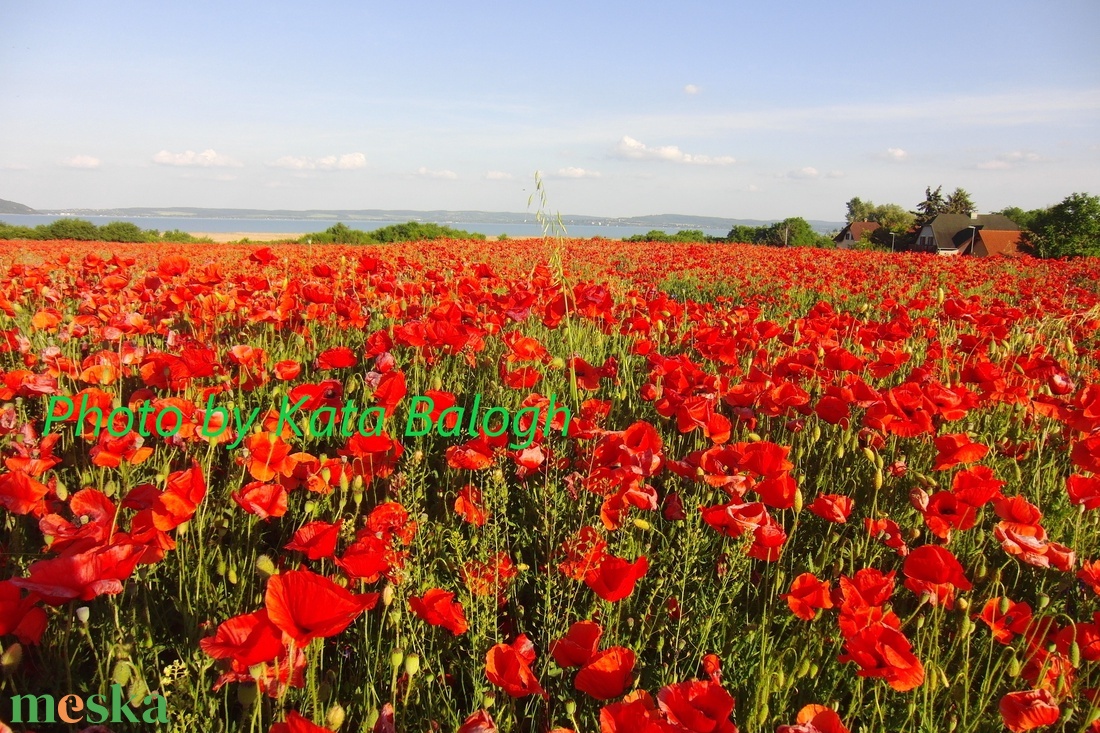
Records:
x=1042, y=601
x=878, y=479
x=488, y=699
x=1075, y=654
x=412, y=665
x=869, y=454
x=1003, y=605
x=839, y=450
x=231, y=576
x=799, y=501
x=814, y=669
x=397, y=656
x=570, y=708
x=387, y=595
x=335, y=716
x=817, y=432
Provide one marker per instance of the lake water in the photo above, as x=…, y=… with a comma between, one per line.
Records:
x=304, y=226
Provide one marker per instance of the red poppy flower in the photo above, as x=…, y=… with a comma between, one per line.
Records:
x=21, y=494
x=614, y=578
x=815, y=719
x=807, y=594
x=607, y=674
x=1006, y=618
x=287, y=369
x=268, y=456
x=82, y=576
x=438, y=608
x=1090, y=575
x=957, y=448
x=578, y=645
x=699, y=706
x=470, y=507
x=338, y=357
x=316, y=539
x=1084, y=490
x=479, y=722
x=20, y=615
x=306, y=605
x=1022, y=711
x=637, y=713
x=295, y=723
x=883, y=651
x=508, y=666
x=248, y=640
x=888, y=532
x=264, y=500
x=832, y=507
x=934, y=570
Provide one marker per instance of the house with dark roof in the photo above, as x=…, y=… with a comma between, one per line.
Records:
x=852, y=233
x=979, y=235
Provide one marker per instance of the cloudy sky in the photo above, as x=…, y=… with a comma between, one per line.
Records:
x=739, y=110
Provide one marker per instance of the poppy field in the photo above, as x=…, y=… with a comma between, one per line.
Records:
x=753, y=489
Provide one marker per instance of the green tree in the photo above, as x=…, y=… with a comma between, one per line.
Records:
x=1024, y=218
x=932, y=206
x=1070, y=228
x=859, y=210
x=959, y=202
x=893, y=218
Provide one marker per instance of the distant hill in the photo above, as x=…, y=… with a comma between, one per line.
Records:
x=654, y=221
x=11, y=207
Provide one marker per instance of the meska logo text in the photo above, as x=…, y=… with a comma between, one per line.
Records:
x=95, y=709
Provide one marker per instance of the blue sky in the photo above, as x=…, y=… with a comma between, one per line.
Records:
x=739, y=110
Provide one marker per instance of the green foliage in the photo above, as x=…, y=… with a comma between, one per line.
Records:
x=413, y=231
x=791, y=232
x=124, y=231
x=1024, y=218
x=84, y=230
x=1070, y=228
x=81, y=229
x=687, y=235
x=892, y=217
x=175, y=235
x=932, y=206
x=959, y=202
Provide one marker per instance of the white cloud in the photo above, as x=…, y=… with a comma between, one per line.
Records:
x=1009, y=160
x=206, y=159
x=896, y=154
x=633, y=149
x=345, y=162
x=572, y=172
x=805, y=174
x=498, y=176
x=81, y=161
x=14, y=167
x=442, y=175
x=692, y=89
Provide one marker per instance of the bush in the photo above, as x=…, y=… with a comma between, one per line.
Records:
x=413, y=231
x=124, y=231
x=69, y=229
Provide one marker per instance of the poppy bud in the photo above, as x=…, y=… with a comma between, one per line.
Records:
x=642, y=524
x=1013, y=666
x=120, y=674
x=962, y=604
x=869, y=454
x=570, y=708
x=387, y=595
x=1075, y=654
x=265, y=566
x=1042, y=601
x=396, y=658
x=412, y=665
x=61, y=491
x=754, y=437
x=231, y=576
x=878, y=479
x=82, y=614
x=11, y=658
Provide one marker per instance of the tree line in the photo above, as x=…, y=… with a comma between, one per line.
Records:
x=1070, y=228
